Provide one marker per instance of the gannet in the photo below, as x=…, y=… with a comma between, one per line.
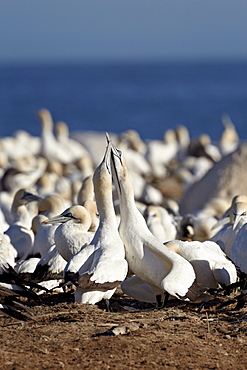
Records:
x=203, y=147
x=237, y=217
x=75, y=149
x=143, y=191
x=72, y=232
x=160, y=223
x=153, y=263
x=86, y=191
x=131, y=139
x=160, y=153
x=238, y=251
x=51, y=148
x=104, y=266
x=224, y=217
x=7, y=250
x=211, y=266
x=208, y=260
x=229, y=139
x=19, y=232
x=15, y=179
x=48, y=207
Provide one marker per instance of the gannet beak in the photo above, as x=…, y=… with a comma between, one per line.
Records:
x=108, y=139
x=107, y=157
x=29, y=197
x=220, y=223
x=114, y=149
x=60, y=219
x=237, y=218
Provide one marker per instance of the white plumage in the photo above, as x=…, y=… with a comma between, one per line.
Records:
x=72, y=234
x=153, y=263
x=19, y=232
x=104, y=266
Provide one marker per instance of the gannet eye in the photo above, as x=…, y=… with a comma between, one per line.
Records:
x=68, y=214
x=117, y=152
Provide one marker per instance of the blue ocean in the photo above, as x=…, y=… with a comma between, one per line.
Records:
x=148, y=97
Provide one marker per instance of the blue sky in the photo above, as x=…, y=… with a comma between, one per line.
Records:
x=59, y=30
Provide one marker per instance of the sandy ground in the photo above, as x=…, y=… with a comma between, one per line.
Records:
x=61, y=334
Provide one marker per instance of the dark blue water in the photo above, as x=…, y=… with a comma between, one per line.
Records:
x=148, y=97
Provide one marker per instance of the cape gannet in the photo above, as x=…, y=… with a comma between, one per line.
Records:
x=48, y=207
x=153, y=263
x=104, y=266
x=210, y=263
x=19, y=232
x=160, y=223
x=237, y=217
x=72, y=232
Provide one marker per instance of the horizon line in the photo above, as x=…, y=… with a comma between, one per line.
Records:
x=146, y=60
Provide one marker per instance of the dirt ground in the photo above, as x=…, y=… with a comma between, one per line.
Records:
x=62, y=334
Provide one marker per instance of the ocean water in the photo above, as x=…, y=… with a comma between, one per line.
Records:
x=114, y=97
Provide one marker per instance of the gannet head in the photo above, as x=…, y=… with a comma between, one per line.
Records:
x=46, y=118
x=238, y=210
x=119, y=169
x=23, y=196
x=75, y=214
x=51, y=205
x=102, y=177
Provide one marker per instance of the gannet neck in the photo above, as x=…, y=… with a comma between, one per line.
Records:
x=91, y=206
x=46, y=123
x=103, y=189
x=21, y=216
x=86, y=191
x=122, y=180
x=62, y=131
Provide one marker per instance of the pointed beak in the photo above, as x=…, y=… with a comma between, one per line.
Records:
x=107, y=157
x=60, y=219
x=220, y=223
x=237, y=218
x=29, y=197
x=114, y=149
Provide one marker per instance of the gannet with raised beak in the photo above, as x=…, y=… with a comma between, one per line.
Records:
x=103, y=261
x=161, y=268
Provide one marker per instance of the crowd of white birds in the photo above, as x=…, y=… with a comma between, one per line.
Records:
x=93, y=212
